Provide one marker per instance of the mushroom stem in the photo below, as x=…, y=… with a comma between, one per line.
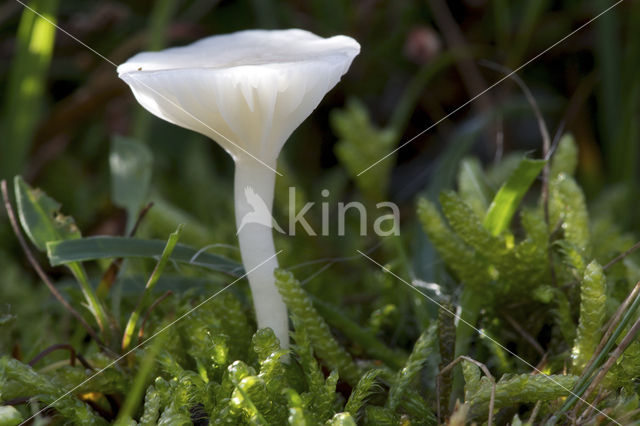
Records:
x=256, y=243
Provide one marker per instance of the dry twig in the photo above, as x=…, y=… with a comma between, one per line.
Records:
x=486, y=372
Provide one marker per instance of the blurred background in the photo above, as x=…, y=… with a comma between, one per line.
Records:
x=64, y=111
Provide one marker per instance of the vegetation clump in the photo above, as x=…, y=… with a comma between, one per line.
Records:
x=540, y=306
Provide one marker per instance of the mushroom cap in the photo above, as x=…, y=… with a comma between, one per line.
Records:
x=247, y=90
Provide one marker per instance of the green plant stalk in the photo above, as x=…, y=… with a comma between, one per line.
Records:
x=153, y=280
x=26, y=84
x=533, y=12
x=627, y=142
x=94, y=304
x=471, y=303
x=145, y=368
x=446, y=347
x=631, y=128
x=502, y=24
x=159, y=21
x=586, y=377
x=417, y=303
x=608, y=59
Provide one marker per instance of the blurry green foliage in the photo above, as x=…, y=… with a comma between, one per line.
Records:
x=360, y=145
x=353, y=326
x=325, y=345
x=9, y=416
x=534, y=261
x=130, y=163
x=26, y=84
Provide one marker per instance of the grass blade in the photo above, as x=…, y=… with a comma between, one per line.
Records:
x=153, y=280
x=92, y=248
x=506, y=201
x=26, y=85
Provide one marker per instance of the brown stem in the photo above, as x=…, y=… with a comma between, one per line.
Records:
x=72, y=355
x=621, y=256
x=53, y=348
x=36, y=266
x=528, y=337
x=112, y=271
x=486, y=372
x=85, y=363
x=581, y=94
x=612, y=262
x=544, y=131
x=16, y=401
x=534, y=412
x=630, y=415
x=597, y=400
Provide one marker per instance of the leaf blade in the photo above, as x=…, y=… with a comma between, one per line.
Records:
x=40, y=216
x=131, y=163
x=103, y=247
x=506, y=201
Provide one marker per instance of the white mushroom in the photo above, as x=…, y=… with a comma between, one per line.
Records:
x=248, y=91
